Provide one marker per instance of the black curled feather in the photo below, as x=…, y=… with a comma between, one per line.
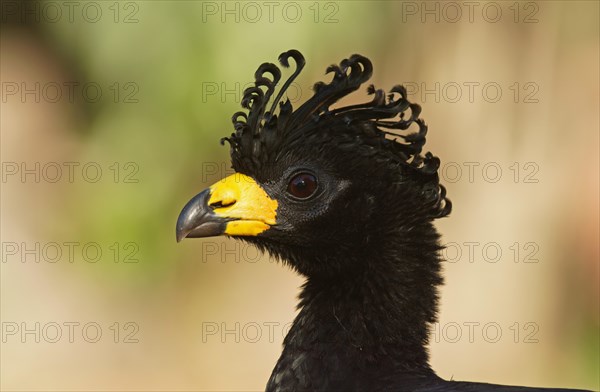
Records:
x=259, y=132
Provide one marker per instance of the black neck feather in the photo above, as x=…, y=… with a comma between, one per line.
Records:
x=369, y=324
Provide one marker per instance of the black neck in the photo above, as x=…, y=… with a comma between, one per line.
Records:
x=380, y=314
x=374, y=319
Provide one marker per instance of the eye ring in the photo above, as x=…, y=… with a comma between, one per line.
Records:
x=302, y=185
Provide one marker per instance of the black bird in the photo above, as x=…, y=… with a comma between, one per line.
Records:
x=345, y=197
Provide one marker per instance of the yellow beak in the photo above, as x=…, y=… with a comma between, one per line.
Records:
x=235, y=206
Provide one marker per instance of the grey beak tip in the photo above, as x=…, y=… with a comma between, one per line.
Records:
x=198, y=220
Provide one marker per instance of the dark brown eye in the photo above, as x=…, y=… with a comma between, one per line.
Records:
x=302, y=185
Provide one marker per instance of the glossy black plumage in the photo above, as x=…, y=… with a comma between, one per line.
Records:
x=365, y=240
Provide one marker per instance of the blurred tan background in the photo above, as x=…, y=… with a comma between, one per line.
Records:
x=111, y=115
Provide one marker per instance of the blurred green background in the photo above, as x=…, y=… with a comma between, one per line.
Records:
x=111, y=116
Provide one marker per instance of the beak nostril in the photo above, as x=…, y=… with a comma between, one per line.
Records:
x=221, y=204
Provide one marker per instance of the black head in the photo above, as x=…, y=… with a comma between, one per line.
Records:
x=322, y=187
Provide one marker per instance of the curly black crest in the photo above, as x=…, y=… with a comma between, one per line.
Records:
x=260, y=132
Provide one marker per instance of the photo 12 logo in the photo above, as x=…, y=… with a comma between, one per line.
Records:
x=247, y=332
x=70, y=92
x=474, y=91
x=42, y=11
x=233, y=92
x=69, y=172
x=488, y=332
x=469, y=11
x=491, y=252
x=69, y=252
x=490, y=172
x=269, y=11
x=69, y=332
